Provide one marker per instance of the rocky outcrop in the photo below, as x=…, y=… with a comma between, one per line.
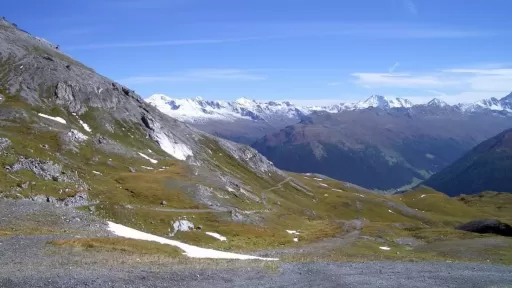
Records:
x=4, y=143
x=47, y=170
x=487, y=226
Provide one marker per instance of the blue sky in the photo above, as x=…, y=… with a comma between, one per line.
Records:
x=306, y=51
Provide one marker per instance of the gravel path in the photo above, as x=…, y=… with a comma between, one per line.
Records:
x=377, y=274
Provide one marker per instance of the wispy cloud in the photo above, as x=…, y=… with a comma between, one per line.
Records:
x=454, y=85
x=392, y=68
x=402, y=80
x=410, y=7
x=198, y=75
x=158, y=43
x=302, y=30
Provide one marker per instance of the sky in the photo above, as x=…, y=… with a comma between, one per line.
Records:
x=309, y=52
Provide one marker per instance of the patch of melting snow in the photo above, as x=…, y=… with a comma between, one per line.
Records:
x=337, y=190
x=293, y=232
x=385, y=248
x=325, y=185
x=216, y=235
x=360, y=195
x=146, y=157
x=295, y=239
x=423, y=195
x=146, y=167
x=190, y=250
x=318, y=179
x=58, y=119
x=86, y=127
x=96, y=172
x=176, y=150
x=391, y=211
x=230, y=189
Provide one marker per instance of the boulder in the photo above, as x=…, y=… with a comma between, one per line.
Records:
x=487, y=226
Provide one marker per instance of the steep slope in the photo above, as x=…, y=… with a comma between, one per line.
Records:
x=487, y=167
x=377, y=148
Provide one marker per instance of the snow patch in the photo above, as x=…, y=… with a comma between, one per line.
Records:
x=295, y=239
x=146, y=167
x=391, y=211
x=58, y=119
x=423, y=195
x=318, y=179
x=86, y=127
x=337, y=190
x=360, y=195
x=176, y=150
x=325, y=185
x=385, y=248
x=190, y=250
x=216, y=235
x=96, y=172
x=150, y=160
x=293, y=232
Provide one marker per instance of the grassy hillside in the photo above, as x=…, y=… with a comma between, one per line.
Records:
x=487, y=167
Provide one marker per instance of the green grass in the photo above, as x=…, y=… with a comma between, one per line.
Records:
x=123, y=245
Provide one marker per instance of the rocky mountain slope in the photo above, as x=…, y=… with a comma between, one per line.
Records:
x=487, y=167
x=247, y=120
x=381, y=148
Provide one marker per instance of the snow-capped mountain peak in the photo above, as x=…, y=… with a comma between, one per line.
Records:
x=436, y=102
x=378, y=101
x=200, y=110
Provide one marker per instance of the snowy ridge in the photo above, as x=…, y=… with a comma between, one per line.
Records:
x=200, y=110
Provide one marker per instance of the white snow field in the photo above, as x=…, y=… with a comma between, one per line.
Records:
x=190, y=251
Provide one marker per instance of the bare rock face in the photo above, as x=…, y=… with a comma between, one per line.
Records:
x=487, y=226
x=64, y=94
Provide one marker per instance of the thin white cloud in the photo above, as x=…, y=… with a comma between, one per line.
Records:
x=198, y=75
x=410, y=7
x=302, y=30
x=393, y=68
x=490, y=80
x=455, y=85
x=400, y=80
x=158, y=43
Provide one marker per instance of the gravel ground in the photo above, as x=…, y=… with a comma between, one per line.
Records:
x=376, y=274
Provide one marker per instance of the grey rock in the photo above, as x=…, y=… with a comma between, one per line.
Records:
x=355, y=224
x=409, y=241
x=4, y=143
x=132, y=169
x=47, y=170
x=182, y=225
x=163, y=203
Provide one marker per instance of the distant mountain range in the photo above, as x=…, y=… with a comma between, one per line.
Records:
x=487, y=167
x=378, y=143
x=200, y=110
